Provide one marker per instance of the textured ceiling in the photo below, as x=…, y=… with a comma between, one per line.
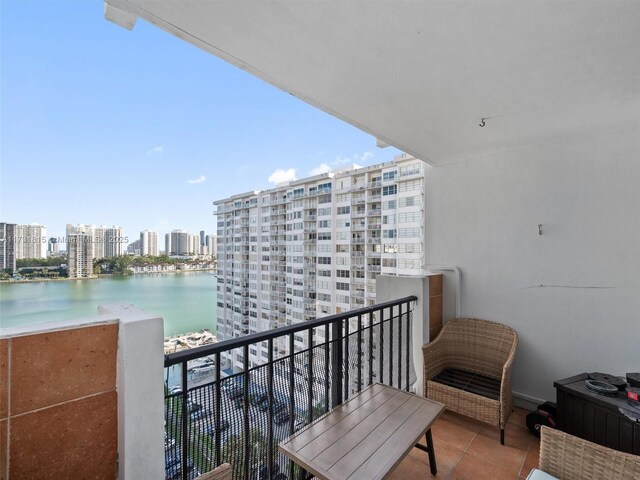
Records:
x=420, y=75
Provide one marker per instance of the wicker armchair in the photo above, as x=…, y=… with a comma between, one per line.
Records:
x=481, y=347
x=571, y=458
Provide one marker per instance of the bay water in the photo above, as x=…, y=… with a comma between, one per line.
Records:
x=186, y=300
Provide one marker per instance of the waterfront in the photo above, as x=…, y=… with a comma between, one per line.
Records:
x=186, y=301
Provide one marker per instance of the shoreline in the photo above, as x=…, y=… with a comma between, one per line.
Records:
x=185, y=341
x=98, y=277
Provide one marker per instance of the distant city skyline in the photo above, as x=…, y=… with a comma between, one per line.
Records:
x=124, y=126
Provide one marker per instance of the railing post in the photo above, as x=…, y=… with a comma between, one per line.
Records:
x=270, y=406
x=400, y=346
x=245, y=412
x=217, y=419
x=336, y=363
x=185, y=422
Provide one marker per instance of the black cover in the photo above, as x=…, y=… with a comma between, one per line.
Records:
x=619, y=382
x=544, y=415
x=634, y=379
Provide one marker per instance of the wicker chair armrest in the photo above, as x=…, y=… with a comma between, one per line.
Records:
x=506, y=393
x=571, y=458
x=435, y=358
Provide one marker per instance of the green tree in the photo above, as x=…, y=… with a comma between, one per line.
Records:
x=233, y=451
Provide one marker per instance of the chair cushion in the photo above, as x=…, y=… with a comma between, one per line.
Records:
x=536, y=474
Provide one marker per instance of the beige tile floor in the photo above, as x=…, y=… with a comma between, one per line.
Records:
x=467, y=449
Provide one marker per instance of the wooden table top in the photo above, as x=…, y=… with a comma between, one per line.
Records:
x=364, y=438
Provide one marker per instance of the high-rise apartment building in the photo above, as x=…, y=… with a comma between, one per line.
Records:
x=31, y=241
x=181, y=242
x=212, y=245
x=135, y=248
x=99, y=242
x=149, y=243
x=8, y=246
x=114, y=242
x=314, y=247
x=106, y=241
x=53, y=247
x=167, y=244
x=80, y=250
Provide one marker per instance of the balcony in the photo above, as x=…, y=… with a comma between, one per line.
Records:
x=274, y=399
x=529, y=178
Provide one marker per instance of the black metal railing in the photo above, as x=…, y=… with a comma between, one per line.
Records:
x=216, y=414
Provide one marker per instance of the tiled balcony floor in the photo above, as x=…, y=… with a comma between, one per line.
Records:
x=466, y=449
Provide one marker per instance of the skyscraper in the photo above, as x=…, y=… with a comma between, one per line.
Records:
x=149, y=243
x=8, y=246
x=181, y=243
x=31, y=241
x=80, y=248
x=114, y=242
x=167, y=244
x=53, y=247
x=315, y=246
x=212, y=245
x=99, y=241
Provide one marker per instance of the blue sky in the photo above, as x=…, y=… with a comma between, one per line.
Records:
x=140, y=129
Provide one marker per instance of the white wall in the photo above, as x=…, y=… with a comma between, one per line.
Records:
x=140, y=392
x=572, y=293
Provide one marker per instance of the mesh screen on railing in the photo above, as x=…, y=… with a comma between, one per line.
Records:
x=258, y=408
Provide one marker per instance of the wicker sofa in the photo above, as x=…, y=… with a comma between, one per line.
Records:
x=566, y=457
x=482, y=349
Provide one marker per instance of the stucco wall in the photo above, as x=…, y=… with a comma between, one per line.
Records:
x=572, y=293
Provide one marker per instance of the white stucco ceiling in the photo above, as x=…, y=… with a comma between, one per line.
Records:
x=420, y=75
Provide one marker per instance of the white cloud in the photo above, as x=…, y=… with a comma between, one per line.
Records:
x=360, y=158
x=279, y=175
x=322, y=168
x=156, y=150
x=200, y=179
x=364, y=157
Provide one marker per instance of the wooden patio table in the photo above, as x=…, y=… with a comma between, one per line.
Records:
x=366, y=437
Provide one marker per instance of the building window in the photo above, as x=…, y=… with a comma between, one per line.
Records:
x=411, y=170
x=390, y=190
x=410, y=201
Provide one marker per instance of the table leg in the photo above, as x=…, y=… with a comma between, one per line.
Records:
x=432, y=453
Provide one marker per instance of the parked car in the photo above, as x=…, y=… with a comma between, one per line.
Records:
x=224, y=426
x=281, y=418
x=193, y=406
x=277, y=407
x=200, y=413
